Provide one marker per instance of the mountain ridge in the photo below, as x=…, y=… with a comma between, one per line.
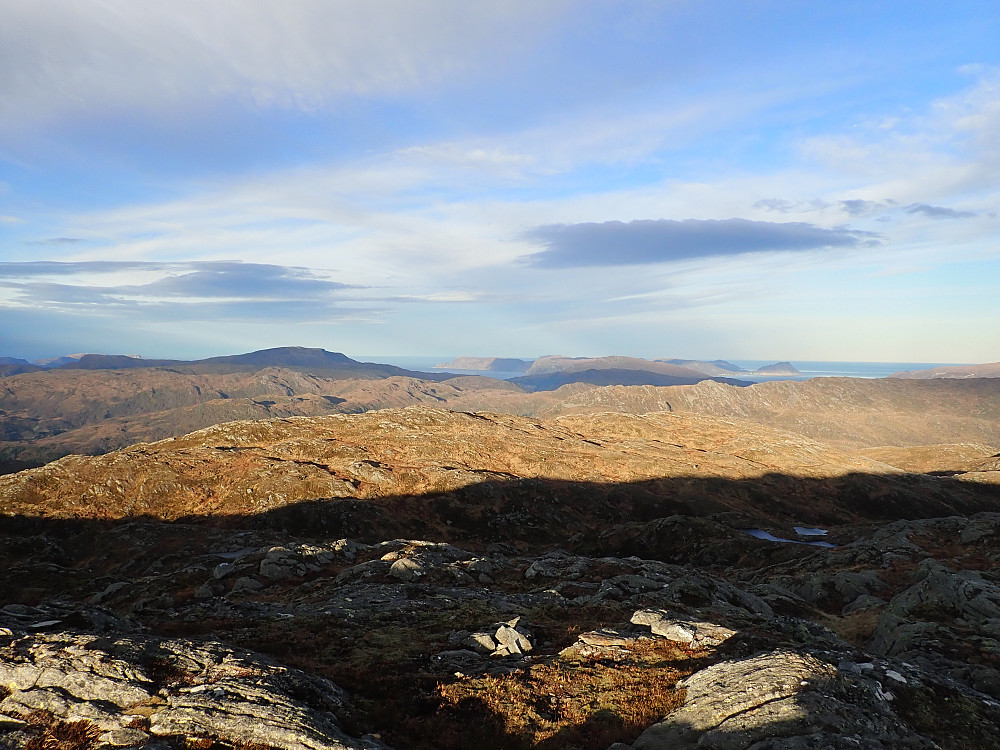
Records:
x=989, y=370
x=48, y=413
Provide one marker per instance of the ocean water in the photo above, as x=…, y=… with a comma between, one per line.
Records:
x=809, y=369
x=426, y=364
x=812, y=369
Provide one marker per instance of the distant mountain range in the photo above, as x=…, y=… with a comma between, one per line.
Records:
x=87, y=408
x=682, y=370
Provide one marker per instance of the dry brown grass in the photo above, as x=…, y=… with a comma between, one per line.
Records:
x=204, y=742
x=138, y=722
x=49, y=733
x=247, y=745
x=561, y=704
x=166, y=673
x=553, y=703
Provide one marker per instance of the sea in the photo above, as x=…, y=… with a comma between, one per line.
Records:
x=809, y=369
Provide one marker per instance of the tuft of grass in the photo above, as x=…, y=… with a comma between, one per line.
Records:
x=165, y=673
x=49, y=733
x=201, y=742
x=247, y=745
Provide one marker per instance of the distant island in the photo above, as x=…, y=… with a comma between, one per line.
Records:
x=486, y=364
x=678, y=370
x=988, y=370
x=779, y=368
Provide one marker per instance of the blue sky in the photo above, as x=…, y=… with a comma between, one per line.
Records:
x=784, y=180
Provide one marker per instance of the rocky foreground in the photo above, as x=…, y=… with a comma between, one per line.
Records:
x=417, y=578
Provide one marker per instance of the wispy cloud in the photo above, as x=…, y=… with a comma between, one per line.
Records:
x=182, y=291
x=615, y=243
x=302, y=55
x=858, y=207
x=31, y=269
x=938, y=212
x=784, y=206
x=56, y=241
x=925, y=156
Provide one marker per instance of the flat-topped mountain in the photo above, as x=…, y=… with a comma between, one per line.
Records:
x=684, y=371
x=552, y=371
x=991, y=370
x=611, y=376
x=487, y=364
x=293, y=357
x=557, y=363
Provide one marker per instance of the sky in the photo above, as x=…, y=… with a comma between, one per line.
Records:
x=668, y=178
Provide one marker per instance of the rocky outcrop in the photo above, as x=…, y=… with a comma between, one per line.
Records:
x=553, y=363
x=682, y=630
x=783, y=700
x=132, y=691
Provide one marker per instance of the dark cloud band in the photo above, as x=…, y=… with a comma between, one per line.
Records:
x=615, y=243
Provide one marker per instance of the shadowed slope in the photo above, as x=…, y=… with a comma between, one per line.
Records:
x=390, y=619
